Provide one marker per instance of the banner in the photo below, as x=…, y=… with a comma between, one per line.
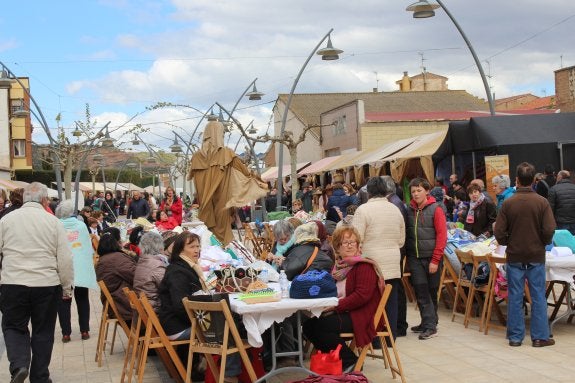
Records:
x=495, y=166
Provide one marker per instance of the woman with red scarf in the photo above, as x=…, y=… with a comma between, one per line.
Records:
x=361, y=287
x=172, y=205
x=481, y=214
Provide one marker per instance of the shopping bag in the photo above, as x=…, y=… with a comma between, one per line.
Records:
x=255, y=356
x=327, y=364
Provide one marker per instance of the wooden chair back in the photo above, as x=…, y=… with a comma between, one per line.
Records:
x=447, y=283
x=251, y=240
x=201, y=314
x=479, y=294
x=156, y=338
x=383, y=331
x=110, y=316
x=493, y=301
x=463, y=282
x=406, y=282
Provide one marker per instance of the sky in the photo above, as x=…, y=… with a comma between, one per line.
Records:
x=122, y=56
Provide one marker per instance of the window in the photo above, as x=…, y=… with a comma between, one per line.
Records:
x=340, y=126
x=16, y=105
x=19, y=148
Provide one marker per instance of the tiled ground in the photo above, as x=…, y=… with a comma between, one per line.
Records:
x=456, y=355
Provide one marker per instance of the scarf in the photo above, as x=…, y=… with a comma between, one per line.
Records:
x=198, y=271
x=344, y=266
x=472, y=206
x=281, y=249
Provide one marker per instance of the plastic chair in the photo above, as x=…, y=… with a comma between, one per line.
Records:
x=201, y=315
x=105, y=322
x=385, y=337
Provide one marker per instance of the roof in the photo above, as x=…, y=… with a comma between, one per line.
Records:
x=309, y=107
x=427, y=75
x=444, y=116
x=540, y=103
x=513, y=98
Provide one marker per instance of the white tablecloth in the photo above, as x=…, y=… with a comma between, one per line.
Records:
x=560, y=268
x=259, y=317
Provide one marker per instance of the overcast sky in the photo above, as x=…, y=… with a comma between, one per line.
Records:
x=123, y=55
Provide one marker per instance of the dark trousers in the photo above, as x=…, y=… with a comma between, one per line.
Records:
x=391, y=308
x=324, y=332
x=426, y=286
x=83, y=306
x=21, y=305
x=401, y=310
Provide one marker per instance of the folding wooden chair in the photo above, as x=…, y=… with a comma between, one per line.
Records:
x=135, y=341
x=405, y=275
x=461, y=297
x=479, y=294
x=156, y=338
x=385, y=337
x=447, y=283
x=108, y=308
x=255, y=242
x=201, y=313
x=494, y=301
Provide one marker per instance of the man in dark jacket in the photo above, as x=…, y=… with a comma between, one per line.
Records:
x=525, y=225
x=562, y=201
x=138, y=207
x=546, y=183
x=338, y=201
x=305, y=194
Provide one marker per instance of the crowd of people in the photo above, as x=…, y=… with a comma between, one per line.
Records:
x=369, y=235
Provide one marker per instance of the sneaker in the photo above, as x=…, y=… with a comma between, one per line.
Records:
x=428, y=333
x=66, y=338
x=20, y=375
x=417, y=328
x=85, y=335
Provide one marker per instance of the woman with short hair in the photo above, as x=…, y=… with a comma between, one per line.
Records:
x=502, y=187
x=151, y=267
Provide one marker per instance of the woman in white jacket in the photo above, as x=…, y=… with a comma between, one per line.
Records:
x=382, y=227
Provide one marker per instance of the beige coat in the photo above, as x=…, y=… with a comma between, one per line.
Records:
x=382, y=230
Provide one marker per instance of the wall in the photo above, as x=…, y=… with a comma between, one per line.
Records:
x=565, y=89
x=4, y=132
x=343, y=136
x=376, y=134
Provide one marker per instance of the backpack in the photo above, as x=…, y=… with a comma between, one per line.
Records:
x=482, y=275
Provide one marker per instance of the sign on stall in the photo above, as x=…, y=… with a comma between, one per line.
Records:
x=495, y=166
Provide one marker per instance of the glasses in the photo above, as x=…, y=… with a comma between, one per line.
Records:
x=348, y=243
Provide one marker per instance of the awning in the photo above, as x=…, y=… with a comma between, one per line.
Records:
x=272, y=173
x=376, y=155
x=11, y=185
x=318, y=166
x=424, y=145
x=127, y=186
x=345, y=160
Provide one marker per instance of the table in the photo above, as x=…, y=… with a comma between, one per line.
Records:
x=560, y=270
x=260, y=316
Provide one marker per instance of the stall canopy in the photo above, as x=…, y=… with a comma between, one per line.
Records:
x=318, y=166
x=423, y=148
x=272, y=173
x=129, y=187
x=11, y=185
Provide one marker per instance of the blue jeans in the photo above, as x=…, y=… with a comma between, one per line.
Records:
x=534, y=274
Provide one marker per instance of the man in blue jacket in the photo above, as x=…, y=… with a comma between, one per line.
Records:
x=138, y=207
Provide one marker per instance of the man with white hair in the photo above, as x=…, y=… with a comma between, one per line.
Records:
x=37, y=271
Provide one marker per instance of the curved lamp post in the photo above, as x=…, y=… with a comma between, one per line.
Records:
x=40, y=117
x=423, y=9
x=327, y=53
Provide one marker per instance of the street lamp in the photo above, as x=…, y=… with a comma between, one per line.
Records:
x=176, y=147
x=327, y=53
x=423, y=9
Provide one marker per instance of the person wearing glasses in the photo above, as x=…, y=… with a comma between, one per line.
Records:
x=360, y=285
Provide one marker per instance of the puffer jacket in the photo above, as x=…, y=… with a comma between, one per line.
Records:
x=296, y=258
x=382, y=229
x=149, y=274
x=117, y=271
x=339, y=199
x=562, y=201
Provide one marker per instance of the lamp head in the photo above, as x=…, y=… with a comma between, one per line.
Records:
x=254, y=95
x=176, y=147
x=329, y=52
x=422, y=9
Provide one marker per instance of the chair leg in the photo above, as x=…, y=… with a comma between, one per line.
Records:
x=102, y=336
x=114, y=337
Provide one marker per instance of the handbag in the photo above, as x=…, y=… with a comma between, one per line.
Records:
x=313, y=284
x=351, y=377
x=327, y=364
x=234, y=280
